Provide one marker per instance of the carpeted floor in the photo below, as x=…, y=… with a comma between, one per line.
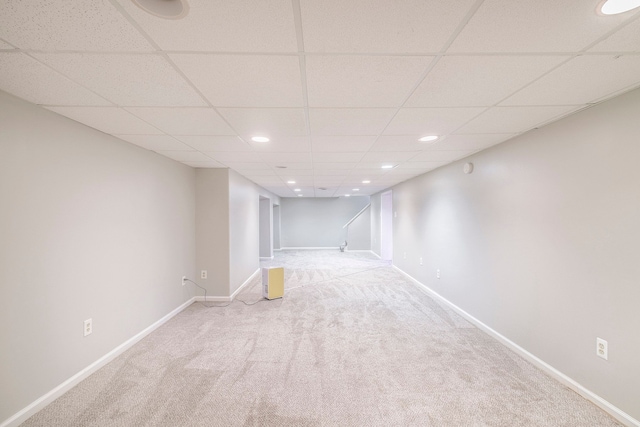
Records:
x=352, y=343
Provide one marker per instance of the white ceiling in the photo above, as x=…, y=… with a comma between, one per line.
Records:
x=340, y=87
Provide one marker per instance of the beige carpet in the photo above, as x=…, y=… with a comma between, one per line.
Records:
x=352, y=343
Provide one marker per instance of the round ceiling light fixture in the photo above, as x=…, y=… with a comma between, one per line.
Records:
x=428, y=138
x=166, y=9
x=614, y=7
x=259, y=139
x=388, y=166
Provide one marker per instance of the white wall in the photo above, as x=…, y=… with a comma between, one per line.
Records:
x=540, y=243
x=90, y=227
x=317, y=222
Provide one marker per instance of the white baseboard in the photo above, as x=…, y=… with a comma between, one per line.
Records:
x=266, y=258
x=614, y=411
x=357, y=250
x=246, y=282
x=27, y=412
x=378, y=256
x=223, y=298
x=304, y=248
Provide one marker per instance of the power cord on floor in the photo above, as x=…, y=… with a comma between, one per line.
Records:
x=204, y=303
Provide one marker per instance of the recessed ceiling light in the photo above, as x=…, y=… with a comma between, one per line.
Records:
x=167, y=9
x=347, y=195
x=259, y=139
x=300, y=195
x=291, y=182
x=387, y=166
x=296, y=189
x=355, y=189
x=428, y=138
x=366, y=181
x=614, y=7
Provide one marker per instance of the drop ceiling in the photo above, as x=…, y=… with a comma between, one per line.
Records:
x=340, y=87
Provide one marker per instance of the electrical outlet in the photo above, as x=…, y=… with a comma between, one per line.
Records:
x=421, y=261
x=203, y=274
x=184, y=280
x=88, y=327
x=602, y=348
x=437, y=273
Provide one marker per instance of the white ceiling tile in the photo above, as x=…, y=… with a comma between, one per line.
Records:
x=281, y=165
x=582, y=80
x=415, y=167
x=268, y=122
x=217, y=25
x=205, y=165
x=362, y=81
x=285, y=158
x=441, y=156
x=399, y=143
x=227, y=157
x=185, y=156
x=533, y=26
x=336, y=157
x=322, y=144
x=410, y=26
x=214, y=143
x=29, y=79
x=68, y=25
x=265, y=180
x=126, y=79
x=468, y=81
x=184, y=121
x=262, y=172
x=388, y=156
x=4, y=45
x=368, y=170
x=111, y=120
x=332, y=168
x=349, y=121
x=279, y=144
x=247, y=166
x=156, y=142
x=429, y=121
x=513, y=119
x=623, y=40
x=244, y=80
x=469, y=142
x=374, y=167
x=294, y=173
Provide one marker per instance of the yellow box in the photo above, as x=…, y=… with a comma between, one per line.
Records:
x=273, y=282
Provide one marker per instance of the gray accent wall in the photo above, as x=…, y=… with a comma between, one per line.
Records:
x=317, y=222
x=90, y=227
x=212, y=224
x=228, y=223
x=541, y=243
